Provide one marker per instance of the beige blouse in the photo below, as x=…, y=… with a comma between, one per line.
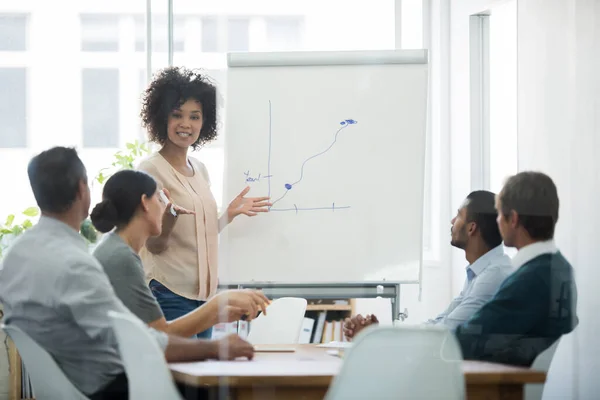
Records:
x=188, y=267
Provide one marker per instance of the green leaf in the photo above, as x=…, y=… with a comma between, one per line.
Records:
x=131, y=146
x=17, y=230
x=26, y=224
x=9, y=220
x=31, y=212
x=88, y=231
x=5, y=231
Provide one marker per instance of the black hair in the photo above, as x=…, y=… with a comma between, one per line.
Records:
x=481, y=210
x=172, y=87
x=121, y=197
x=55, y=175
x=534, y=197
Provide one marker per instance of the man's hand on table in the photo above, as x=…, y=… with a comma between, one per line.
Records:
x=352, y=326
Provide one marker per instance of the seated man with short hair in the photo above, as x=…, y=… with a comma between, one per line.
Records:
x=475, y=231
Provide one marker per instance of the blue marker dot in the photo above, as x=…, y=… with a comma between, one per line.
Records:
x=343, y=123
x=288, y=186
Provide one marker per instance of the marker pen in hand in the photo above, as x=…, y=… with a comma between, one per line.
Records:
x=165, y=200
x=245, y=317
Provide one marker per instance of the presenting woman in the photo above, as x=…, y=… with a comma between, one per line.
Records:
x=180, y=113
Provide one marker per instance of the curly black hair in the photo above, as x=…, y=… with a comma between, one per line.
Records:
x=170, y=88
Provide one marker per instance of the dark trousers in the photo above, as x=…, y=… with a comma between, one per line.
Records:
x=174, y=306
x=118, y=389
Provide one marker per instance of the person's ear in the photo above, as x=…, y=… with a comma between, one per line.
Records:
x=513, y=219
x=472, y=228
x=82, y=188
x=145, y=203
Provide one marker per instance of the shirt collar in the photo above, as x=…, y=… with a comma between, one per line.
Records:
x=532, y=251
x=58, y=227
x=482, y=262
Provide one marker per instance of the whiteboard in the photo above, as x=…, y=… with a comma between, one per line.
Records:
x=337, y=140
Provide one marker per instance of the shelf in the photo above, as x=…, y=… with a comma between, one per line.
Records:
x=329, y=307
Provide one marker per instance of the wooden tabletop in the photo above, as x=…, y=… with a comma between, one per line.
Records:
x=313, y=366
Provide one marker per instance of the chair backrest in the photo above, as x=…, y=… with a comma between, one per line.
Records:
x=47, y=379
x=417, y=362
x=281, y=325
x=535, y=391
x=147, y=371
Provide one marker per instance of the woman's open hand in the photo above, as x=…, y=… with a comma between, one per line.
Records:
x=178, y=210
x=249, y=206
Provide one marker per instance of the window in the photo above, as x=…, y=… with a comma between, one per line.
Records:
x=100, y=107
x=68, y=77
x=237, y=34
x=13, y=106
x=160, y=33
x=13, y=32
x=412, y=24
x=210, y=43
x=99, y=32
x=284, y=33
x=494, y=96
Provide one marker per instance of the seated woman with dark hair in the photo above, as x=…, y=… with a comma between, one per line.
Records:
x=133, y=204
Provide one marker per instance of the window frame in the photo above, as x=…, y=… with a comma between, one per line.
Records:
x=479, y=56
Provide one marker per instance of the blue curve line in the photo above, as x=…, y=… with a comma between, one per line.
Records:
x=345, y=124
x=318, y=154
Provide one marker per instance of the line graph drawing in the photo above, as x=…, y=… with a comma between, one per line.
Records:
x=289, y=186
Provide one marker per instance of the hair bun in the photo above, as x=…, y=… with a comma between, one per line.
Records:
x=104, y=216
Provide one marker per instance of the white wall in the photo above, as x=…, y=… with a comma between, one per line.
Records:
x=559, y=134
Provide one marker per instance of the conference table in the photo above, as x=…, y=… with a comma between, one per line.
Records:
x=307, y=372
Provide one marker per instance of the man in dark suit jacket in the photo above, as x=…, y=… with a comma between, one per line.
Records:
x=535, y=305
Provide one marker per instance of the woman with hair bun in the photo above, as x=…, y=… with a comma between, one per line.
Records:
x=132, y=210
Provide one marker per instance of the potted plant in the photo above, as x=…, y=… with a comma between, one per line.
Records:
x=15, y=225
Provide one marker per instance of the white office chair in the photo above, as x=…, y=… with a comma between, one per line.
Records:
x=48, y=380
x=535, y=391
x=281, y=325
x=420, y=362
x=147, y=371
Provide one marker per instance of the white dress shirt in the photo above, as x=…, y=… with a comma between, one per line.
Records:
x=529, y=252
